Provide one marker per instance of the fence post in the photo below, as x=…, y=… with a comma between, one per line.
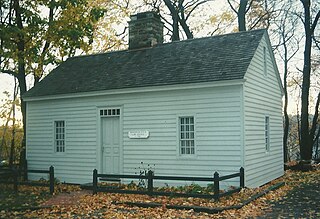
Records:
x=95, y=181
x=241, y=177
x=150, y=182
x=216, y=187
x=51, y=178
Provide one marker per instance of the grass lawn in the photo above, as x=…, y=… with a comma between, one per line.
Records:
x=25, y=197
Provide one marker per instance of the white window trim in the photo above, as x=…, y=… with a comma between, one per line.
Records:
x=54, y=136
x=267, y=133
x=186, y=156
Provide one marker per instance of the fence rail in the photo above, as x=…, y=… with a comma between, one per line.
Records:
x=150, y=177
x=14, y=174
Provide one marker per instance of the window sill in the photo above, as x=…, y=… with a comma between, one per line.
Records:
x=59, y=154
x=187, y=157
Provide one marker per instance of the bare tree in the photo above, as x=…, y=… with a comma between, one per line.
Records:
x=307, y=133
x=180, y=13
x=287, y=48
x=241, y=12
x=252, y=14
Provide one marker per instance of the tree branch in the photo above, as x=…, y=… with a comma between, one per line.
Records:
x=174, y=14
x=314, y=24
x=260, y=18
x=317, y=136
x=185, y=28
x=233, y=9
x=197, y=5
x=315, y=118
x=300, y=17
x=297, y=48
x=316, y=42
x=250, y=4
x=297, y=83
x=45, y=48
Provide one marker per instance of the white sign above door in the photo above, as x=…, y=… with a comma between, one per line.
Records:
x=138, y=134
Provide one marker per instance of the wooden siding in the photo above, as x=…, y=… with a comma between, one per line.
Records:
x=218, y=134
x=262, y=97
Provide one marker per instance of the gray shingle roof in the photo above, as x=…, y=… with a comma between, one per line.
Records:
x=224, y=57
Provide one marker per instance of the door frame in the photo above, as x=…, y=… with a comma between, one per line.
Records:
x=99, y=152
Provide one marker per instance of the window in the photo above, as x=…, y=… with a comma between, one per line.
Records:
x=267, y=133
x=265, y=61
x=59, y=136
x=110, y=112
x=186, y=135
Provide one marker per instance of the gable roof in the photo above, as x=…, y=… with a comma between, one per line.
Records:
x=217, y=58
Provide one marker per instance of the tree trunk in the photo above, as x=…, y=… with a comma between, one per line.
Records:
x=175, y=20
x=21, y=68
x=285, y=107
x=286, y=117
x=23, y=89
x=183, y=23
x=175, y=26
x=242, y=15
x=306, y=140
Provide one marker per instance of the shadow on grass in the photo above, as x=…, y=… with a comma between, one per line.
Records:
x=26, y=196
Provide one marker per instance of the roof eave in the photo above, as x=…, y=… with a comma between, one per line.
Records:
x=139, y=90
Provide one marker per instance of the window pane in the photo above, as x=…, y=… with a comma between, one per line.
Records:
x=187, y=135
x=60, y=135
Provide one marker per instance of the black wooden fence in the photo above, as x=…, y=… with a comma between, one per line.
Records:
x=150, y=177
x=15, y=175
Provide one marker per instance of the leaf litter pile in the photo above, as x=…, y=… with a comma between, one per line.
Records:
x=106, y=205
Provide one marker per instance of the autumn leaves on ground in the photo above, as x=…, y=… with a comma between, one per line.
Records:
x=72, y=202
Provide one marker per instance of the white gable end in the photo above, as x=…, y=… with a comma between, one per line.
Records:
x=262, y=102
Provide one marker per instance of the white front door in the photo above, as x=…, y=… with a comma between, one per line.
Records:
x=110, y=145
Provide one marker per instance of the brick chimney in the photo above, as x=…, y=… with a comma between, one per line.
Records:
x=145, y=30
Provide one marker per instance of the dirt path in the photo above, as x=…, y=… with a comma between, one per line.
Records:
x=70, y=198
